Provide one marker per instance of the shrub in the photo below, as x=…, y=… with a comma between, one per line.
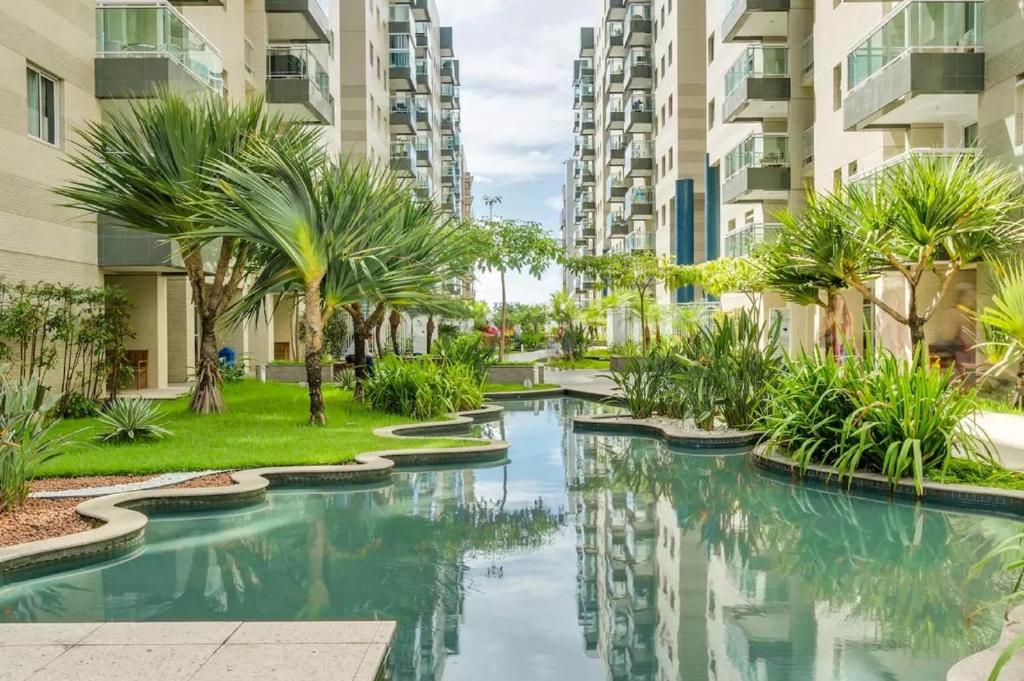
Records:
x=232, y=373
x=128, y=420
x=423, y=389
x=533, y=340
x=575, y=342
x=78, y=406
x=877, y=413
x=644, y=381
x=469, y=350
x=26, y=438
x=346, y=379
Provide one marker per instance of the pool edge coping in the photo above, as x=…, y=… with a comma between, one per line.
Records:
x=617, y=423
x=124, y=514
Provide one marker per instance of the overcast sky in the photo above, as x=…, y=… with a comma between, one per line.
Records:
x=516, y=68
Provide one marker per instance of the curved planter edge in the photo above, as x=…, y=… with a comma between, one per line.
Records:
x=623, y=424
x=124, y=515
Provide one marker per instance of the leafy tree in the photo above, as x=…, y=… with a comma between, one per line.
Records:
x=720, y=276
x=1003, y=322
x=931, y=215
x=145, y=167
x=637, y=272
x=512, y=246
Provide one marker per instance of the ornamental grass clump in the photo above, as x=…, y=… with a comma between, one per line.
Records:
x=876, y=413
x=129, y=420
x=422, y=388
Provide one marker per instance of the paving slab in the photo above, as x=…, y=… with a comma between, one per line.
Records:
x=199, y=651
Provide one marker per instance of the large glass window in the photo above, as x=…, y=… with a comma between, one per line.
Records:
x=758, y=151
x=42, y=92
x=757, y=61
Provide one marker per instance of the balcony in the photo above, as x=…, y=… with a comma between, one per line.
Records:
x=615, y=115
x=585, y=202
x=640, y=241
x=752, y=20
x=869, y=175
x=583, y=94
x=450, y=95
x=640, y=202
x=145, y=47
x=614, y=9
x=615, y=32
x=423, y=75
x=585, y=225
x=640, y=113
x=297, y=21
x=923, y=64
x=450, y=71
x=424, y=186
x=757, y=85
x=583, y=121
x=401, y=20
x=403, y=159
x=424, y=152
x=807, y=61
x=424, y=115
x=585, y=172
x=639, y=159
x=615, y=154
x=449, y=122
x=298, y=85
x=741, y=243
x=638, y=24
x=807, y=150
x=449, y=147
x=614, y=75
x=402, y=64
x=757, y=169
x=638, y=69
x=617, y=225
x=615, y=188
x=584, y=147
x=403, y=115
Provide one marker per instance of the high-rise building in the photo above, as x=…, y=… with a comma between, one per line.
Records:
x=380, y=79
x=728, y=113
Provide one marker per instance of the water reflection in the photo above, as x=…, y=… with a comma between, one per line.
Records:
x=586, y=557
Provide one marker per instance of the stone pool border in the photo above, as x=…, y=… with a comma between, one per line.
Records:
x=619, y=423
x=124, y=515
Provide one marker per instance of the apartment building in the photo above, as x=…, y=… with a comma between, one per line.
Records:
x=371, y=74
x=793, y=95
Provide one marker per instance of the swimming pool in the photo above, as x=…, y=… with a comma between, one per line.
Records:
x=585, y=557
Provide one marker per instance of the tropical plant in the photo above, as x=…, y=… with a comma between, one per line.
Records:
x=505, y=246
x=469, y=350
x=145, y=168
x=422, y=389
x=643, y=381
x=876, y=413
x=131, y=420
x=932, y=215
x=27, y=437
x=575, y=342
x=346, y=379
x=1003, y=323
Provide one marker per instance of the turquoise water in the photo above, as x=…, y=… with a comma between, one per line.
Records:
x=586, y=557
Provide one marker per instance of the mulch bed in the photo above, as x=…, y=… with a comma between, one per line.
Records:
x=48, y=518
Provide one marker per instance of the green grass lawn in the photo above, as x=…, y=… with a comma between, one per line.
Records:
x=265, y=425
x=585, y=363
x=598, y=353
x=997, y=405
x=515, y=387
x=963, y=472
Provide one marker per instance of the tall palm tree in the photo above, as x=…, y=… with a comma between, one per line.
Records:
x=143, y=167
x=305, y=216
x=937, y=216
x=491, y=202
x=813, y=257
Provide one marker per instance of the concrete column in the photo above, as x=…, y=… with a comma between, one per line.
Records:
x=181, y=330
x=148, y=293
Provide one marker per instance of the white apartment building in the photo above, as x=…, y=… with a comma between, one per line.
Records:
x=380, y=79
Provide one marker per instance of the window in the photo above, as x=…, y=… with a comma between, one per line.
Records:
x=1019, y=117
x=670, y=50
x=851, y=168
x=837, y=87
x=711, y=48
x=711, y=114
x=671, y=160
x=42, y=106
x=837, y=179
x=371, y=54
x=670, y=100
x=971, y=136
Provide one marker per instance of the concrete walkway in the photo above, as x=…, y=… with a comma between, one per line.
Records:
x=195, y=651
x=171, y=392
x=581, y=379
x=531, y=356
x=1007, y=434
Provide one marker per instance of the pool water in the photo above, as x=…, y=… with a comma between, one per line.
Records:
x=586, y=557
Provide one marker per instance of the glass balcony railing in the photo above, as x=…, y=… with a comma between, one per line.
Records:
x=148, y=29
x=641, y=102
x=400, y=14
x=403, y=151
x=403, y=105
x=640, y=241
x=402, y=52
x=758, y=151
x=757, y=61
x=297, y=61
x=616, y=29
x=916, y=26
x=639, y=148
x=639, y=195
x=869, y=174
x=616, y=181
x=741, y=242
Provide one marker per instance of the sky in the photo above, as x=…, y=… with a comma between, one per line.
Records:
x=516, y=68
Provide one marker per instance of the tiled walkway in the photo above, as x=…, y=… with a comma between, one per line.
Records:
x=195, y=651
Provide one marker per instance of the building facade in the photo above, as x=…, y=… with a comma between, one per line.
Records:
x=380, y=79
x=790, y=96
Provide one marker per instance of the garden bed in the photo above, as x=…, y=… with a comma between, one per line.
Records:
x=508, y=374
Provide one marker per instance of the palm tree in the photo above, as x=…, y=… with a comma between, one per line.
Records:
x=143, y=168
x=933, y=215
x=491, y=202
x=305, y=215
x=813, y=257
x=1003, y=322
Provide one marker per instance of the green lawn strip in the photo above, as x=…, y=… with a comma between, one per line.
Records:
x=598, y=353
x=515, y=387
x=999, y=406
x=586, y=363
x=265, y=425
x=963, y=472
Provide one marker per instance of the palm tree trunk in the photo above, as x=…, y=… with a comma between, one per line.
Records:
x=832, y=323
x=501, y=331
x=206, y=397
x=915, y=323
x=394, y=321
x=377, y=336
x=1018, y=400
x=314, y=354
x=430, y=331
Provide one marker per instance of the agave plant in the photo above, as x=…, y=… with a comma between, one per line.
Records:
x=130, y=420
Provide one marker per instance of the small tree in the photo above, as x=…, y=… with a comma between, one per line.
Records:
x=637, y=272
x=931, y=215
x=513, y=246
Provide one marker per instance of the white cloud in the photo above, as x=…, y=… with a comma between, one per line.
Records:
x=554, y=202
